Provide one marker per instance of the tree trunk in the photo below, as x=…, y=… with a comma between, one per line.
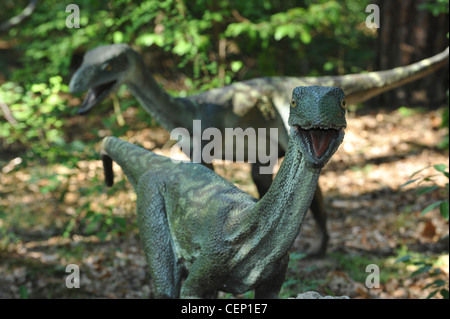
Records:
x=406, y=35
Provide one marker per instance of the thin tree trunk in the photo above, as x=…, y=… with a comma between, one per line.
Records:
x=408, y=34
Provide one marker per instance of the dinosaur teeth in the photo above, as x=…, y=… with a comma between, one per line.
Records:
x=317, y=140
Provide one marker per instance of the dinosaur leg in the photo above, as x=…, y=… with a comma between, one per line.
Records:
x=320, y=216
x=202, y=279
x=270, y=288
x=157, y=242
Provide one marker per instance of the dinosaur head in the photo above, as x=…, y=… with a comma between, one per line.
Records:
x=317, y=120
x=103, y=70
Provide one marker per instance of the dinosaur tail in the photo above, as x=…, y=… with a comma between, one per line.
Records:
x=133, y=159
x=363, y=86
x=374, y=83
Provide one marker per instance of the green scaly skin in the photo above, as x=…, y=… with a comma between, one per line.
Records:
x=192, y=221
x=256, y=103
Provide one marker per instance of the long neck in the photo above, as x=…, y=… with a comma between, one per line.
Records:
x=290, y=195
x=279, y=214
x=167, y=110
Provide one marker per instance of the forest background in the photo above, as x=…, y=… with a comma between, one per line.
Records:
x=55, y=210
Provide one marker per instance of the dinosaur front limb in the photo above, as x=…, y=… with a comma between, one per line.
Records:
x=202, y=281
x=320, y=216
x=157, y=241
x=270, y=288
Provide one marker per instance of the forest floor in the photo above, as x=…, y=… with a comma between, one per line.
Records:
x=53, y=216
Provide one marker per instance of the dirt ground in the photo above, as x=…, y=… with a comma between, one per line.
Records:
x=370, y=218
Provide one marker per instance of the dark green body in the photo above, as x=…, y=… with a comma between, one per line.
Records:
x=193, y=222
x=256, y=103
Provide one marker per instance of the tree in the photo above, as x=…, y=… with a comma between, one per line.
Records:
x=411, y=30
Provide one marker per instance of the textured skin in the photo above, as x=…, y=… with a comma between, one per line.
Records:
x=256, y=103
x=192, y=221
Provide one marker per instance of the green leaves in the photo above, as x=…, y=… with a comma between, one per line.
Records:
x=443, y=208
x=291, y=31
x=442, y=204
x=102, y=225
x=118, y=37
x=37, y=116
x=207, y=38
x=441, y=168
x=150, y=39
x=435, y=6
x=403, y=259
x=422, y=265
x=236, y=66
x=298, y=23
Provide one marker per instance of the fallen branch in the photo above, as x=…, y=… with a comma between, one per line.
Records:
x=7, y=113
x=5, y=26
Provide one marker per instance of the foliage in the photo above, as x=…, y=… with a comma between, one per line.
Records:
x=297, y=281
x=436, y=7
x=442, y=204
x=37, y=121
x=211, y=43
x=330, y=29
x=206, y=43
x=319, y=32
x=423, y=265
x=98, y=224
x=209, y=40
x=355, y=266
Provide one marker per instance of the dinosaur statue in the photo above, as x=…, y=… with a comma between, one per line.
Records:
x=192, y=221
x=256, y=103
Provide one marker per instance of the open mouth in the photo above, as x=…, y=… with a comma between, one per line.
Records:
x=319, y=143
x=95, y=95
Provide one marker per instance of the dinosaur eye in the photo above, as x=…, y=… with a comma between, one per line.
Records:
x=293, y=103
x=106, y=67
x=343, y=103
